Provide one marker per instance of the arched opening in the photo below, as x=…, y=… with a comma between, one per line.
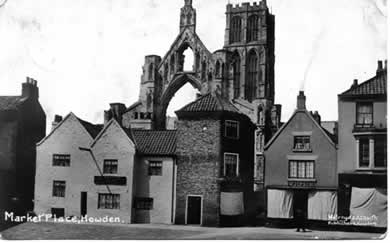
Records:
x=235, y=29
x=181, y=91
x=217, y=70
x=253, y=28
x=236, y=65
x=182, y=97
x=188, y=60
x=203, y=76
x=150, y=71
x=252, y=76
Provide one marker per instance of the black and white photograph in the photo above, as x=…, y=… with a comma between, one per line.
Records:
x=193, y=119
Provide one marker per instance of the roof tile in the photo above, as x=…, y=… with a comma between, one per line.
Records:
x=374, y=86
x=150, y=142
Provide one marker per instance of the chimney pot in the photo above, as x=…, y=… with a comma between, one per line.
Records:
x=57, y=120
x=380, y=66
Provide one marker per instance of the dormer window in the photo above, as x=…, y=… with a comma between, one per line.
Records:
x=302, y=143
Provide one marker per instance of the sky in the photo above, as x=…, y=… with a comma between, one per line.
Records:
x=87, y=54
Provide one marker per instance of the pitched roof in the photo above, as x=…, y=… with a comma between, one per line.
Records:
x=92, y=129
x=10, y=102
x=210, y=102
x=149, y=142
x=374, y=86
x=331, y=138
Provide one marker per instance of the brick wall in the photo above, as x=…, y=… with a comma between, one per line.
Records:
x=198, y=156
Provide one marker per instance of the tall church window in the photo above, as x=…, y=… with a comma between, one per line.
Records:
x=236, y=75
x=150, y=71
x=203, y=70
x=253, y=28
x=172, y=65
x=251, y=81
x=235, y=29
x=166, y=72
x=197, y=61
x=217, y=69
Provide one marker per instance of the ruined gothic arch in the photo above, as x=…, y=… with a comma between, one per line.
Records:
x=175, y=85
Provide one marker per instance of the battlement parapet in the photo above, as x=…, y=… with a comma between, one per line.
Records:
x=246, y=7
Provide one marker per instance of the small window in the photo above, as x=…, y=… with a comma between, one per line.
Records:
x=143, y=203
x=108, y=201
x=58, y=188
x=302, y=143
x=301, y=169
x=364, y=153
x=380, y=152
x=364, y=113
x=110, y=166
x=231, y=165
x=61, y=160
x=232, y=129
x=155, y=168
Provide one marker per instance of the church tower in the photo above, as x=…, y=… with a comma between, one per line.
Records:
x=250, y=42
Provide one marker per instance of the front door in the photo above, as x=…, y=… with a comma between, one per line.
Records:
x=83, y=204
x=300, y=203
x=194, y=209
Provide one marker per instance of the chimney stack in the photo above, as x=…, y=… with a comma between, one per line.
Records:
x=116, y=111
x=57, y=120
x=30, y=88
x=381, y=69
x=317, y=117
x=301, y=101
x=355, y=83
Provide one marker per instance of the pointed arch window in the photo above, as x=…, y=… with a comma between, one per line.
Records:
x=172, y=64
x=217, y=69
x=166, y=72
x=252, y=76
x=235, y=29
x=253, y=28
x=236, y=75
x=150, y=71
x=203, y=70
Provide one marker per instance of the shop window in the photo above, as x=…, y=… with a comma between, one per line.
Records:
x=108, y=201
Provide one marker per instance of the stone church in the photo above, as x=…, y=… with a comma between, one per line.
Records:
x=242, y=72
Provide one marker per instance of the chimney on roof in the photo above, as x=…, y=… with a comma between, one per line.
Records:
x=317, y=117
x=301, y=101
x=116, y=111
x=30, y=88
x=380, y=68
x=355, y=83
x=57, y=120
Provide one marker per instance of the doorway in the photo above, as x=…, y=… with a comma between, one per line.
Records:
x=194, y=210
x=83, y=204
x=300, y=202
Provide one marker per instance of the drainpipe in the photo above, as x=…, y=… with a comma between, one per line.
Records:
x=97, y=166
